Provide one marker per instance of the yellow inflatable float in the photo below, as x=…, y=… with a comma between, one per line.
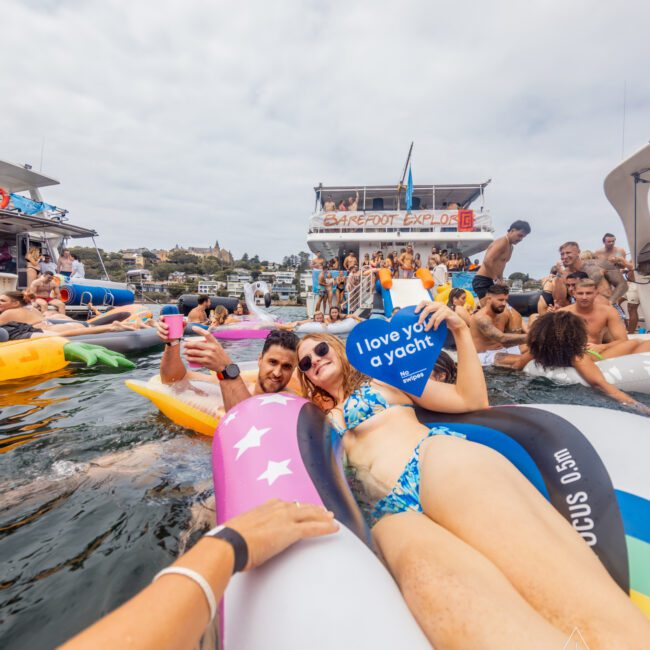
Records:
x=196, y=405
x=44, y=354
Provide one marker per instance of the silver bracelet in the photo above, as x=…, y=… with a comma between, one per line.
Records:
x=199, y=580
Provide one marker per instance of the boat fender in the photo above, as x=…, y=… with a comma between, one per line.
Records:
x=385, y=278
x=425, y=276
x=4, y=198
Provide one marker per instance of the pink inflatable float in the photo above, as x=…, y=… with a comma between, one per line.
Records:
x=279, y=446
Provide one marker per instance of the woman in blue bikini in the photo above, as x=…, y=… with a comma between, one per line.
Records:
x=482, y=559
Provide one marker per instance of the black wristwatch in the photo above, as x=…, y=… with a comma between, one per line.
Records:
x=231, y=371
x=238, y=543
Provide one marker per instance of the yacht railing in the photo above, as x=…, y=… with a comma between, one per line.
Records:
x=360, y=297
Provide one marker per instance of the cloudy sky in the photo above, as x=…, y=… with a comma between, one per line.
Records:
x=186, y=122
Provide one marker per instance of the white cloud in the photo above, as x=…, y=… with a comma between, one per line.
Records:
x=186, y=122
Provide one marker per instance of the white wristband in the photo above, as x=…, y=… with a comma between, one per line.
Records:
x=200, y=580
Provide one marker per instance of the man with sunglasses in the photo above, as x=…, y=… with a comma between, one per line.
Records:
x=277, y=362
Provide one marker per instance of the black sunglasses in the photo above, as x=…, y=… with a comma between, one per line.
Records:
x=320, y=351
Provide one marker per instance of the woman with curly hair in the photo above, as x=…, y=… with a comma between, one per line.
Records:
x=559, y=340
x=483, y=560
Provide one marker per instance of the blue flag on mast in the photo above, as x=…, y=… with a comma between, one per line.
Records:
x=409, y=191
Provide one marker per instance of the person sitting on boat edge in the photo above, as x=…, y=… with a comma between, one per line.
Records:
x=559, y=340
x=175, y=609
x=496, y=328
x=46, y=289
x=441, y=542
x=200, y=313
x=277, y=362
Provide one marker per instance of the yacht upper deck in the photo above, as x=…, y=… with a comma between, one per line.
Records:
x=382, y=209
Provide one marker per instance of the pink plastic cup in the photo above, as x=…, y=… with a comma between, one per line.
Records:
x=176, y=325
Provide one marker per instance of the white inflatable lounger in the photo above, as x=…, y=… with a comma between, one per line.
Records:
x=629, y=373
x=341, y=327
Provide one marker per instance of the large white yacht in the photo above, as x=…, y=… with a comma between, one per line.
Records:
x=451, y=217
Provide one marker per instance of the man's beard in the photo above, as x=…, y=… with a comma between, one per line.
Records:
x=271, y=387
x=498, y=310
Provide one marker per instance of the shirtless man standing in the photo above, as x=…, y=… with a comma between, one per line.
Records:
x=609, y=249
x=496, y=257
x=329, y=205
x=353, y=203
x=599, y=318
x=406, y=262
x=46, y=289
x=600, y=271
x=350, y=261
x=318, y=262
x=495, y=328
x=617, y=256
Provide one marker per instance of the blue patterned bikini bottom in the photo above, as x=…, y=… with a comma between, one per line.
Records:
x=406, y=493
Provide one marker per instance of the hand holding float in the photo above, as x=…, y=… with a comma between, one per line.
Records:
x=271, y=528
x=173, y=611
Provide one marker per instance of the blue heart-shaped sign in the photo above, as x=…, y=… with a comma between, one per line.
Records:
x=398, y=352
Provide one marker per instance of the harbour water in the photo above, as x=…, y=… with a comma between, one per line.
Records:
x=97, y=488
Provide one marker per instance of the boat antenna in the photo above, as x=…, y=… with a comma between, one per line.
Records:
x=400, y=185
x=42, y=150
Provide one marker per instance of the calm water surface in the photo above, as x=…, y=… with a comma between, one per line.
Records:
x=97, y=488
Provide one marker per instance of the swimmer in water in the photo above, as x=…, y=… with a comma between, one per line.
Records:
x=559, y=340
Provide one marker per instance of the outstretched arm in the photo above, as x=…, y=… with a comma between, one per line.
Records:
x=616, y=279
x=590, y=372
x=209, y=353
x=489, y=331
x=560, y=292
x=172, y=612
x=469, y=393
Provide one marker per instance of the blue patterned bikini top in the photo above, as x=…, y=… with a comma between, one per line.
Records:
x=362, y=404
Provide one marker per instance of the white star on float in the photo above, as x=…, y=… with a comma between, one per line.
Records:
x=275, y=398
x=229, y=418
x=253, y=438
x=274, y=470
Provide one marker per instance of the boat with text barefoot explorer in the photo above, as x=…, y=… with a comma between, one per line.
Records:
x=377, y=223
